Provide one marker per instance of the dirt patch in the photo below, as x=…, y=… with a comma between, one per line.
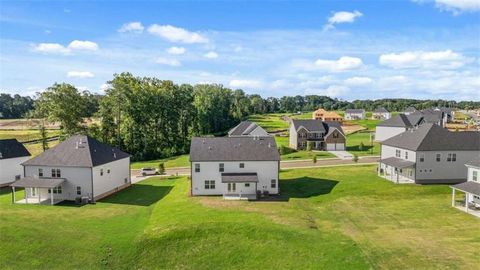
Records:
x=351, y=128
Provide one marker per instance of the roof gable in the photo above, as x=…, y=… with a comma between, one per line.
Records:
x=11, y=148
x=311, y=125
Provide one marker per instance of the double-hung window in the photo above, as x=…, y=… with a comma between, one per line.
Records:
x=438, y=157
x=56, y=173
x=209, y=184
x=398, y=153
x=475, y=176
x=422, y=157
x=221, y=167
x=40, y=172
x=79, y=190
x=273, y=183
x=406, y=154
x=197, y=167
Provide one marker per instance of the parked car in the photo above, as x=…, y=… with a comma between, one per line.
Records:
x=148, y=171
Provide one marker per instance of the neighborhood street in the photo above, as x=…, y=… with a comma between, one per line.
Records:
x=283, y=165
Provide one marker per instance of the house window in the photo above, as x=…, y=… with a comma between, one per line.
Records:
x=125, y=180
x=34, y=191
x=454, y=157
x=397, y=153
x=40, y=172
x=209, y=184
x=17, y=177
x=56, y=173
x=197, y=167
x=79, y=190
x=335, y=135
x=422, y=157
x=438, y=157
x=247, y=184
x=242, y=165
x=406, y=154
x=273, y=183
x=56, y=190
x=108, y=170
x=101, y=172
x=475, y=176
x=221, y=167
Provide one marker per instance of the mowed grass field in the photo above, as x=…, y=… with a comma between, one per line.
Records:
x=335, y=218
x=355, y=139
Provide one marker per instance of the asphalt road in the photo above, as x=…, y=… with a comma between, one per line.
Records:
x=283, y=165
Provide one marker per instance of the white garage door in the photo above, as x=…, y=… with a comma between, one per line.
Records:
x=335, y=147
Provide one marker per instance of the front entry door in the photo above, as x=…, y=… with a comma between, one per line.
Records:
x=232, y=187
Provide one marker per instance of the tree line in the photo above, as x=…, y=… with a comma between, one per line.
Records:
x=152, y=118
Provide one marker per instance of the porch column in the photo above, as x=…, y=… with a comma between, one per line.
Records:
x=51, y=196
x=466, y=202
x=453, y=197
x=13, y=194
x=39, y=200
x=26, y=195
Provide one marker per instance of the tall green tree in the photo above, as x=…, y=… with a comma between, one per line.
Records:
x=62, y=103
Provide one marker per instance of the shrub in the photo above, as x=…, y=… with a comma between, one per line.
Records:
x=314, y=159
x=355, y=158
x=361, y=146
x=161, y=168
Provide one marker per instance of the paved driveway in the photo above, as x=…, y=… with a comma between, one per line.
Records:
x=342, y=154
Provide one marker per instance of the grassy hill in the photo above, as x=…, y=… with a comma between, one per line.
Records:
x=336, y=218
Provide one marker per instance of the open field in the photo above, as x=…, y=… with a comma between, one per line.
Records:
x=270, y=122
x=354, y=140
x=171, y=162
x=26, y=135
x=337, y=218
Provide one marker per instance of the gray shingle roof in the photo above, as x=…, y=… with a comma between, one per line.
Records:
x=233, y=149
x=38, y=182
x=475, y=162
x=354, y=111
x=247, y=177
x=397, y=162
x=331, y=126
x=11, y=148
x=78, y=151
x=244, y=128
x=410, y=109
x=431, y=137
x=403, y=120
x=310, y=125
x=469, y=186
x=381, y=110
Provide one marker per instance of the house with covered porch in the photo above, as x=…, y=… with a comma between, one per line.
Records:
x=470, y=189
x=238, y=168
x=77, y=168
x=428, y=154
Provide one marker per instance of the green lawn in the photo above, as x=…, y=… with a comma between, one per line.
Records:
x=335, y=218
x=354, y=140
x=270, y=122
x=172, y=162
x=299, y=155
x=369, y=124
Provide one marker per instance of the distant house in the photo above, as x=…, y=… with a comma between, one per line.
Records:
x=247, y=128
x=324, y=115
x=77, y=167
x=381, y=114
x=321, y=135
x=236, y=167
x=410, y=110
x=471, y=188
x=12, y=154
x=428, y=154
x=354, y=114
x=448, y=112
x=435, y=116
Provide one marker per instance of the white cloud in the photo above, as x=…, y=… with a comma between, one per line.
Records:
x=80, y=74
x=245, y=84
x=104, y=87
x=358, y=81
x=331, y=91
x=211, y=55
x=342, y=17
x=51, y=48
x=83, y=45
x=420, y=59
x=176, y=50
x=168, y=62
x=132, y=27
x=176, y=34
x=342, y=64
x=455, y=6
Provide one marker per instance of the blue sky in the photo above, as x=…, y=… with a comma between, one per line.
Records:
x=345, y=49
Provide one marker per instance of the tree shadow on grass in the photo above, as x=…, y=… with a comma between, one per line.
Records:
x=303, y=187
x=137, y=194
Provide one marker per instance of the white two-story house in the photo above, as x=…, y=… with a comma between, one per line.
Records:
x=354, y=114
x=77, y=167
x=381, y=114
x=12, y=154
x=471, y=188
x=428, y=154
x=235, y=167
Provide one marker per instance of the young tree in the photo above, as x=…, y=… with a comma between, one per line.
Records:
x=309, y=146
x=62, y=103
x=161, y=168
x=43, y=137
x=314, y=159
x=355, y=158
